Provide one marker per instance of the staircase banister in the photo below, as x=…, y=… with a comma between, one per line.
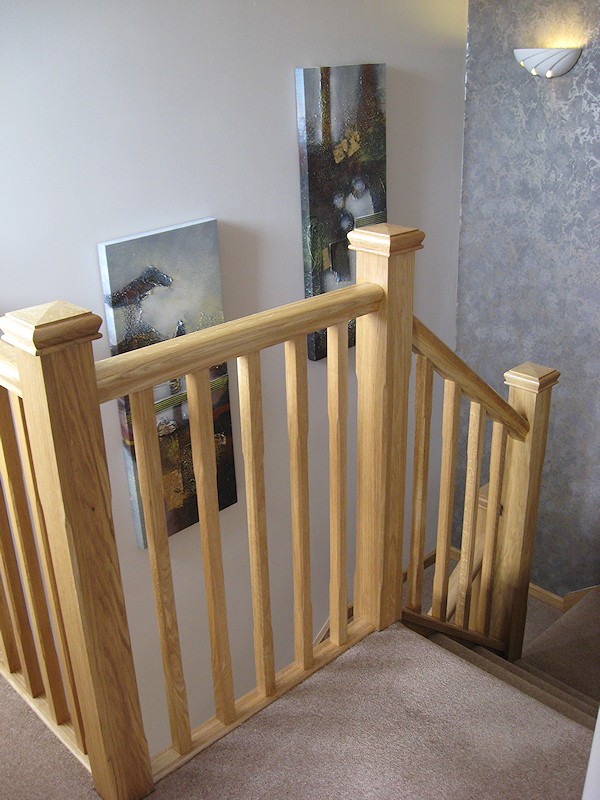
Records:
x=452, y=367
x=149, y=366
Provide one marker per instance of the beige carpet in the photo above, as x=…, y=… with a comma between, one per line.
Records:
x=395, y=717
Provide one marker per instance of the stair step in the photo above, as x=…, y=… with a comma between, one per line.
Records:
x=569, y=648
x=587, y=706
x=516, y=681
x=585, y=698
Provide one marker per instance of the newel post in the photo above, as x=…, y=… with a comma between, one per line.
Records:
x=385, y=256
x=530, y=393
x=56, y=368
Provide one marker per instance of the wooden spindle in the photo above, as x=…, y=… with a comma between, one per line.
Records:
x=423, y=403
x=530, y=395
x=253, y=447
x=15, y=599
x=43, y=545
x=450, y=426
x=8, y=643
x=385, y=256
x=497, y=459
x=296, y=382
x=148, y=463
x=337, y=406
x=31, y=576
x=205, y=473
x=473, y=478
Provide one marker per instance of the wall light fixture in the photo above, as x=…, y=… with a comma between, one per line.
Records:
x=552, y=62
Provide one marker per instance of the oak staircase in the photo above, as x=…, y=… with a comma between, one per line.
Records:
x=64, y=635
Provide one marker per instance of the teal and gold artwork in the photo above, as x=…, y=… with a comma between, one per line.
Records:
x=342, y=146
x=159, y=285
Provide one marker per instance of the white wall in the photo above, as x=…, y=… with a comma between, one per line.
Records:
x=121, y=117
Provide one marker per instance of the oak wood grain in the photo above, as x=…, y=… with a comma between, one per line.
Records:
x=251, y=418
x=205, y=472
x=149, y=468
x=450, y=424
x=423, y=404
x=296, y=381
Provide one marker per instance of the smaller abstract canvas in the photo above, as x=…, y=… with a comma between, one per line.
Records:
x=159, y=285
x=342, y=145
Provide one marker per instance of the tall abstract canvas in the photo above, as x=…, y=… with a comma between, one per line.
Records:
x=342, y=146
x=159, y=285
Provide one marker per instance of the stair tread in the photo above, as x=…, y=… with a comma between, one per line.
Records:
x=569, y=649
x=551, y=679
x=517, y=682
x=588, y=706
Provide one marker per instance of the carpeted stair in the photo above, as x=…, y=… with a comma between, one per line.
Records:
x=561, y=668
x=397, y=716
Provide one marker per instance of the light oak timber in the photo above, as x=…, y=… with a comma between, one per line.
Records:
x=571, y=599
x=549, y=598
x=253, y=448
x=430, y=623
x=452, y=367
x=205, y=473
x=337, y=409
x=58, y=382
x=148, y=366
x=385, y=256
x=450, y=425
x=474, y=456
x=149, y=468
x=493, y=511
x=211, y=731
x=17, y=608
x=31, y=576
x=9, y=373
x=530, y=394
x=455, y=553
x=296, y=382
x=43, y=546
x=543, y=595
x=423, y=403
x=474, y=604
x=324, y=631
x=8, y=644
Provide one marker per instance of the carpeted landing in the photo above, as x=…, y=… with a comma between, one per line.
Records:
x=395, y=717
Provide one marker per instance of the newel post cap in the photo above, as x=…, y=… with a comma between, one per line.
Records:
x=532, y=377
x=386, y=240
x=52, y=326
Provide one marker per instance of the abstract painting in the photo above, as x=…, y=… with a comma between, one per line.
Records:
x=159, y=285
x=342, y=146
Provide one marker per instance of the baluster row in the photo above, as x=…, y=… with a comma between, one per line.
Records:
x=465, y=596
x=203, y=453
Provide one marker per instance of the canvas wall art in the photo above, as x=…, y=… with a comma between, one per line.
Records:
x=342, y=146
x=159, y=285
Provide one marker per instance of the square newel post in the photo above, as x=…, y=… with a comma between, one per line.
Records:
x=385, y=255
x=530, y=394
x=58, y=381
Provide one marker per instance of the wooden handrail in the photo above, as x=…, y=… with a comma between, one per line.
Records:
x=453, y=368
x=147, y=367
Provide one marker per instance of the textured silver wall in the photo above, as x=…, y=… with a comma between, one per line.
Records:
x=529, y=273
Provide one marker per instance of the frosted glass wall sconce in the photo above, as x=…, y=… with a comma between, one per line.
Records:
x=552, y=62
